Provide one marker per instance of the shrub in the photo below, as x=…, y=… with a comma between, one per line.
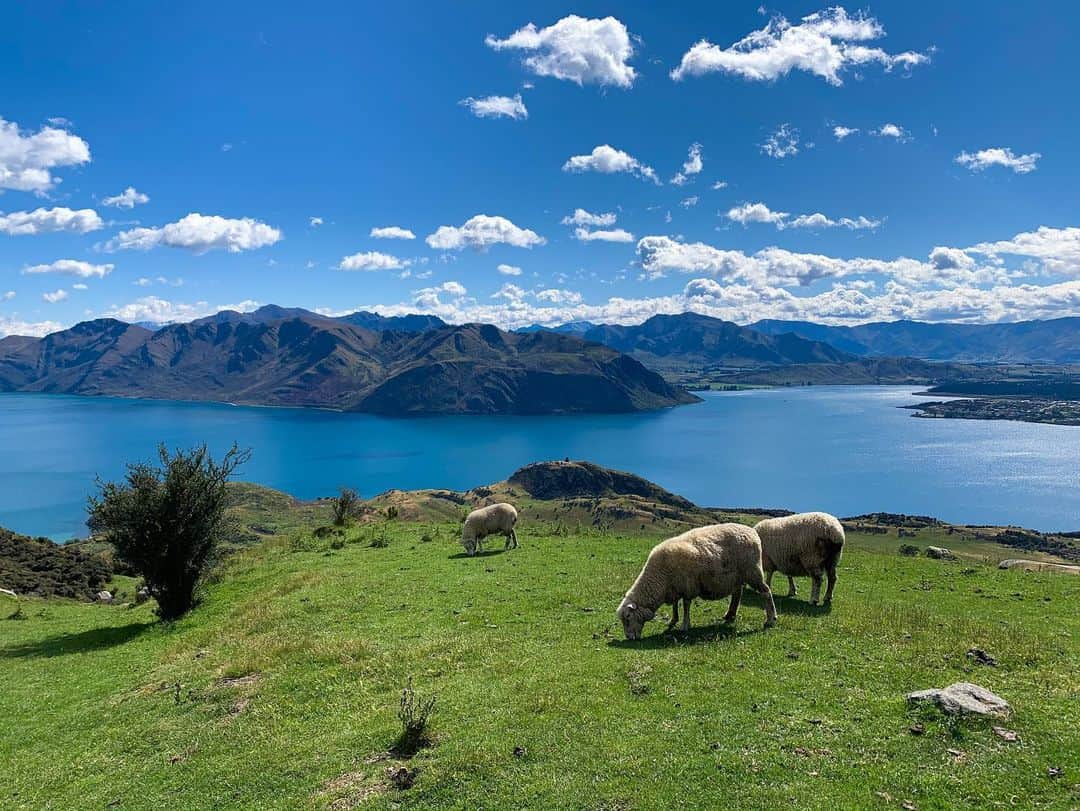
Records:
x=391, y=513
x=380, y=542
x=414, y=714
x=167, y=521
x=907, y=550
x=344, y=505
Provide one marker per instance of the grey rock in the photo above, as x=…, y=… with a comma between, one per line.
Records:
x=142, y=595
x=963, y=698
x=939, y=553
x=104, y=597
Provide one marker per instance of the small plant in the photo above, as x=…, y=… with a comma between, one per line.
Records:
x=345, y=505
x=391, y=513
x=337, y=543
x=427, y=537
x=380, y=542
x=414, y=714
x=908, y=550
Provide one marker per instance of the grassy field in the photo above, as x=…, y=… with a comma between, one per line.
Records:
x=281, y=690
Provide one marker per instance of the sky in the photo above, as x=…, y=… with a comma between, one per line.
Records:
x=521, y=163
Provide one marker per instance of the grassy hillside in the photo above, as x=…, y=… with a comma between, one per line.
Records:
x=281, y=690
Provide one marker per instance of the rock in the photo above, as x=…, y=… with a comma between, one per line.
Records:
x=520, y=751
x=1055, y=771
x=939, y=553
x=402, y=777
x=963, y=698
x=1006, y=734
x=104, y=597
x=982, y=657
x=142, y=595
x=1038, y=566
x=917, y=729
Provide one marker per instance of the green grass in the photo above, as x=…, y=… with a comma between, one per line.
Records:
x=101, y=707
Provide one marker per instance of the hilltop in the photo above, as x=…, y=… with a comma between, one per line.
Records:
x=294, y=358
x=281, y=690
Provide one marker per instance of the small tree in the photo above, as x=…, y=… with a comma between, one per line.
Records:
x=345, y=505
x=167, y=521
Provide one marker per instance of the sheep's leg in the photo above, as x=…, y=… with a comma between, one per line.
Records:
x=674, y=614
x=832, y=582
x=768, y=577
x=513, y=537
x=792, y=590
x=815, y=590
x=762, y=588
x=686, y=614
x=733, y=606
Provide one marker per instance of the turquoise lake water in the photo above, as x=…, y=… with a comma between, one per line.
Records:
x=843, y=449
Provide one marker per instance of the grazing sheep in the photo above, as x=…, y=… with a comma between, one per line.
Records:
x=495, y=519
x=802, y=545
x=709, y=562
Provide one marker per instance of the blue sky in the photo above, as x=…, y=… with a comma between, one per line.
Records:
x=953, y=198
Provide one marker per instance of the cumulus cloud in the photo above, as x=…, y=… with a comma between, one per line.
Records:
x=998, y=156
x=161, y=311
x=72, y=267
x=392, y=232
x=761, y=213
x=508, y=270
x=825, y=44
x=50, y=220
x=612, y=235
x=1057, y=248
x=8, y=296
x=27, y=159
x=783, y=143
x=840, y=133
x=32, y=329
x=497, y=107
x=128, y=198
x=693, y=166
x=315, y=222
x=372, y=260
x=199, y=233
x=720, y=184
x=608, y=160
x=482, y=231
x=689, y=202
x=891, y=131
x=557, y=296
x=54, y=296
x=943, y=258
x=583, y=217
x=756, y=212
x=576, y=49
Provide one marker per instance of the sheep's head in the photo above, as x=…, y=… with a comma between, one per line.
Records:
x=469, y=543
x=633, y=618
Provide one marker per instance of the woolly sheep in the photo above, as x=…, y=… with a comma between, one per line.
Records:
x=710, y=562
x=495, y=519
x=802, y=545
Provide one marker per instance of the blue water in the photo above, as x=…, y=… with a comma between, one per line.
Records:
x=843, y=449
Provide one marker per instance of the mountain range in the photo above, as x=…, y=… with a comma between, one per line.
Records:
x=288, y=357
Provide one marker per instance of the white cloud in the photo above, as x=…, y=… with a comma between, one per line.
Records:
x=608, y=160
x=79, y=286
x=843, y=132
x=509, y=270
x=825, y=44
x=613, y=235
x=689, y=202
x=693, y=166
x=998, y=156
x=497, y=107
x=1057, y=248
x=27, y=160
x=38, y=329
x=482, y=231
x=50, y=220
x=372, y=260
x=315, y=222
x=720, y=184
x=943, y=258
x=891, y=131
x=161, y=311
x=199, y=233
x=392, y=232
x=576, y=49
x=54, y=296
x=128, y=198
x=756, y=212
x=8, y=296
x=557, y=296
x=72, y=267
x=583, y=217
x=783, y=143
x=819, y=220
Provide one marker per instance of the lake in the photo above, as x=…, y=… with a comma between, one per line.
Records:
x=843, y=449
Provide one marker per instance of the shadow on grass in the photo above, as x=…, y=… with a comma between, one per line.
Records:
x=487, y=553
x=82, y=642
x=793, y=605
x=695, y=636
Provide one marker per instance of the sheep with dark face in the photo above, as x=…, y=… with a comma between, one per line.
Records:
x=710, y=562
x=494, y=519
x=802, y=545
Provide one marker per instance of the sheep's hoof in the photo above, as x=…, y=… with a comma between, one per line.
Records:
x=728, y=620
x=770, y=623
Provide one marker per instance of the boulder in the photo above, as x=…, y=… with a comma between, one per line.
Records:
x=104, y=597
x=963, y=698
x=939, y=553
x=1038, y=566
x=142, y=595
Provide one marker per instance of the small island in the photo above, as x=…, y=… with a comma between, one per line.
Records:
x=1055, y=402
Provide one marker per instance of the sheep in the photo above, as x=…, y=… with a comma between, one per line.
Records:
x=709, y=562
x=494, y=519
x=802, y=545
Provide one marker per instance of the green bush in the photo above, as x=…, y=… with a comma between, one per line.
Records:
x=345, y=505
x=167, y=521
